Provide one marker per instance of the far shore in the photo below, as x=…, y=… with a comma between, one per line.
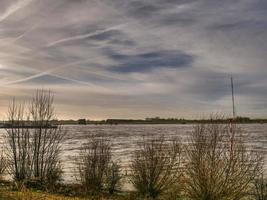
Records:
x=157, y=120
x=147, y=121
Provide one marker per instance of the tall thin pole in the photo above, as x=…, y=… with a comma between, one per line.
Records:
x=233, y=97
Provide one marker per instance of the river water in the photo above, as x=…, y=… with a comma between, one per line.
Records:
x=124, y=139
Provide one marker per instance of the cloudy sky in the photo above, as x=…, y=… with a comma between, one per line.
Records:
x=136, y=58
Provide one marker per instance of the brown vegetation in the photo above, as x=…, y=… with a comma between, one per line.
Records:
x=260, y=187
x=113, y=177
x=33, y=154
x=156, y=166
x=3, y=165
x=220, y=167
x=95, y=166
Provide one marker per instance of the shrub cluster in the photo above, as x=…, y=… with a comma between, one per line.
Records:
x=155, y=166
x=96, y=169
x=216, y=166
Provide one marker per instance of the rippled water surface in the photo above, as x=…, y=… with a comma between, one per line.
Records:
x=125, y=137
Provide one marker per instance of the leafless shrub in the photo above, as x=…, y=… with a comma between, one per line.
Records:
x=18, y=140
x=46, y=140
x=34, y=152
x=175, y=192
x=155, y=166
x=3, y=165
x=53, y=177
x=260, y=187
x=113, y=177
x=220, y=167
x=94, y=162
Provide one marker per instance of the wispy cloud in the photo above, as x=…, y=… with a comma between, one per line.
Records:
x=43, y=73
x=84, y=36
x=136, y=58
x=14, y=8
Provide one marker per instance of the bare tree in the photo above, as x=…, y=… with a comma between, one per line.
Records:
x=34, y=144
x=94, y=162
x=220, y=167
x=46, y=141
x=18, y=138
x=155, y=166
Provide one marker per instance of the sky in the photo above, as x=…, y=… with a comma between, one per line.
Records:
x=136, y=58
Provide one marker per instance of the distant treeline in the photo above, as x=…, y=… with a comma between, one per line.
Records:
x=157, y=120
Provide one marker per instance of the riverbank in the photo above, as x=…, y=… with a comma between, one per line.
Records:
x=7, y=192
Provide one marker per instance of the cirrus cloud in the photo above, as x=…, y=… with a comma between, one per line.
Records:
x=136, y=58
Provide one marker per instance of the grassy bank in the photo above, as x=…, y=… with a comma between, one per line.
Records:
x=8, y=193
